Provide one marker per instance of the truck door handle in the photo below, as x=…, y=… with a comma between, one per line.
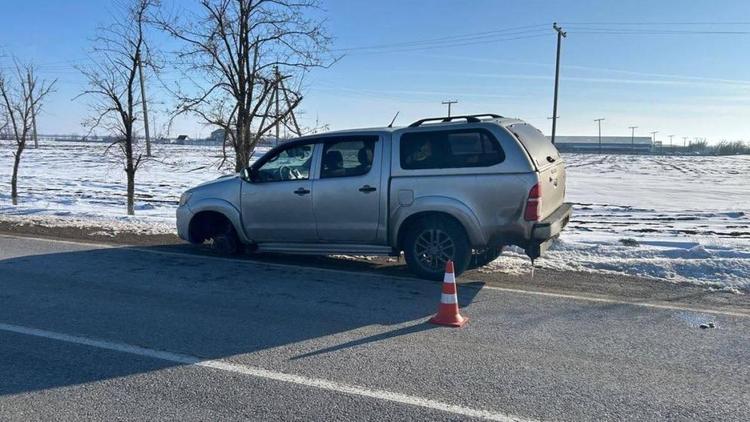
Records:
x=367, y=189
x=301, y=191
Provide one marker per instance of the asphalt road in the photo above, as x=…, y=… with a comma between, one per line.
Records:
x=94, y=332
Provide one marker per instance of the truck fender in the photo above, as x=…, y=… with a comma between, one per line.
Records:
x=225, y=208
x=439, y=204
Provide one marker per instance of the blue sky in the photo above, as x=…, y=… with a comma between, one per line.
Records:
x=686, y=84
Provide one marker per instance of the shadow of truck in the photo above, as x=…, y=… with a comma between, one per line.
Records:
x=208, y=308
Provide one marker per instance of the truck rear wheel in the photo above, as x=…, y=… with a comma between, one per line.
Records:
x=431, y=242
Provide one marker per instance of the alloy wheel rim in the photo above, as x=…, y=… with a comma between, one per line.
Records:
x=433, y=248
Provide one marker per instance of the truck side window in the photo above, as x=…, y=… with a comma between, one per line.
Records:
x=351, y=156
x=290, y=164
x=450, y=149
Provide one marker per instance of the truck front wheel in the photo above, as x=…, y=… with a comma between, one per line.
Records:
x=431, y=242
x=215, y=228
x=225, y=240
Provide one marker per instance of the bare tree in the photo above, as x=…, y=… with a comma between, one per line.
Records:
x=233, y=55
x=22, y=93
x=4, y=124
x=113, y=85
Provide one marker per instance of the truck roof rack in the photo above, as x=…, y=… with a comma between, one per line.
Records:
x=472, y=118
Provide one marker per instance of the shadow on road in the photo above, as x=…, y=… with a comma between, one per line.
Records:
x=371, y=339
x=380, y=264
x=212, y=309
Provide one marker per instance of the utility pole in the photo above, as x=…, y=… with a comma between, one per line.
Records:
x=552, y=118
x=560, y=35
x=449, y=102
x=684, y=142
x=290, y=113
x=632, y=137
x=599, y=121
x=653, y=136
x=670, y=143
x=276, y=93
x=33, y=112
x=145, y=107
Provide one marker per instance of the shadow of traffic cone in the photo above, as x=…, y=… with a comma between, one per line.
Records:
x=448, y=314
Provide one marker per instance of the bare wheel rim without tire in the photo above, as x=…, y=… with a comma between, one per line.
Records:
x=433, y=248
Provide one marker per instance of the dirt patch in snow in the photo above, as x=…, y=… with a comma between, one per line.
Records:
x=95, y=234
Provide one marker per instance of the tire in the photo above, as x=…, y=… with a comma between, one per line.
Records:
x=485, y=256
x=225, y=240
x=423, y=251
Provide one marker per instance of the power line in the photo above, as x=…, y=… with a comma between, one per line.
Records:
x=657, y=23
x=448, y=45
x=658, y=28
x=656, y=32
x=460, y=37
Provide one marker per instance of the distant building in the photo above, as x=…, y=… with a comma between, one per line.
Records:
x=217, y=136
x=610, y=144
x=182, y=139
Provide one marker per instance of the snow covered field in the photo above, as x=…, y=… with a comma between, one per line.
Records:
x=682, y=219
x=64, y=183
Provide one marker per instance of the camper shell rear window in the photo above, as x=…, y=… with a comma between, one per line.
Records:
x=541, y=150
x=442, y=149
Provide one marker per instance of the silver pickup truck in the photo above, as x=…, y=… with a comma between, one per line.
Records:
x=441, y=189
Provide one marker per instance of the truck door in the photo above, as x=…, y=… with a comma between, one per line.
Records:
x=346, y=199
x=277, y=204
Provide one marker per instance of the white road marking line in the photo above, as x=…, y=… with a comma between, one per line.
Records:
x=598, y=299
x=252, y=371
x=620, y=302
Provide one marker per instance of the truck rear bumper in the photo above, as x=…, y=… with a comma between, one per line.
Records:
x=544, y=231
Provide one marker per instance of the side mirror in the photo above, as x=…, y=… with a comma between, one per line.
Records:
x=249, y=174
x=245, y=174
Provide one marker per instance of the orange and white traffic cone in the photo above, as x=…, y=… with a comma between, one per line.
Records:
x=448, y=313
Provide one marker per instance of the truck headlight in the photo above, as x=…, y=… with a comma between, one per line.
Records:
x=185, y=198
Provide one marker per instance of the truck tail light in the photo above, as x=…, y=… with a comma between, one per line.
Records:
x=533, y=211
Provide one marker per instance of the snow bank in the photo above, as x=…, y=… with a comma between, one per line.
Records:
x=722, y=266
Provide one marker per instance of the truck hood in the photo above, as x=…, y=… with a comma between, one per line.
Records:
x=227, y=178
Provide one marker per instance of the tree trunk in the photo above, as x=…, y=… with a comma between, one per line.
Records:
x=14, y=177
x=130, y=169
x=131, y=192
x=239, y=148
x=238, y=164
x=245, y=146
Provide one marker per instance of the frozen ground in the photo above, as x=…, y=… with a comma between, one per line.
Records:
x=64, y=183
x=682, y=219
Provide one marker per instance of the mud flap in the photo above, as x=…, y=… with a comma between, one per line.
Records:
x=536, y=249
